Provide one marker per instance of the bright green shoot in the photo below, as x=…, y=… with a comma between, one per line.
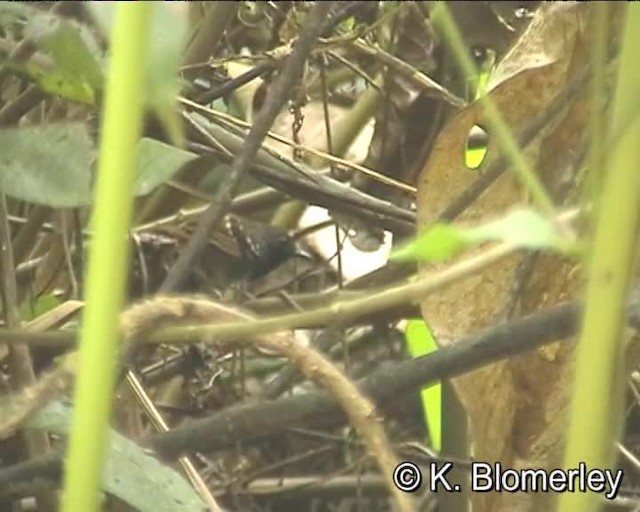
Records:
x=596, y=418
x=421, y=342
x=108, y=257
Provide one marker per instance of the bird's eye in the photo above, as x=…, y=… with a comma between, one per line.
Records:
x=262, y=247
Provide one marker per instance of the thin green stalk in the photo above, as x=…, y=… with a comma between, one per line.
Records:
x=598, y=118
x=600, y=373
x=496, y=124
x=108, y=257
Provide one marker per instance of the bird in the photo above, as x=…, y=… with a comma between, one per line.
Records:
x=240, y=249
x=262, y=247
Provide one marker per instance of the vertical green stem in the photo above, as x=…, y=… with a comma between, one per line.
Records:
x=596, y=414
x=598, y=87
x=108, y=257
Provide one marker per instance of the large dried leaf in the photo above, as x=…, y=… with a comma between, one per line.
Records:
x=544, y=378
x=525, y=83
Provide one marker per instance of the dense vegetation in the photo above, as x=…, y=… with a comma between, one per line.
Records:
x=256, y=254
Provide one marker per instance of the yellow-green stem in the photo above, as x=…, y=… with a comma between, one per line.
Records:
x=598, y=118
x=596, y=413
x=108, y=257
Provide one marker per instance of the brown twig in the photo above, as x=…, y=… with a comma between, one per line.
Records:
x=314, y=365
x=409, y=292
x=260, y=420
x=322, y=190
x=144, y=318
x=429, y=86
x=328, y=157
x=32, y=397
x=23, y=103
x=248, y=422
x=261, y=68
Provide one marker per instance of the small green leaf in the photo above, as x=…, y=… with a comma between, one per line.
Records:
x=31, y=309
x=157, y=163
x=439, y=243
x=59, y=83
x=77, y=70
x=522, y=228
x=348, y=24
x=131, y=473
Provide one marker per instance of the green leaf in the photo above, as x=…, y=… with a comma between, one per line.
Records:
x=76, y=69
x=52, y=164
x=130, y=473
x=47, y=164
x=439, y=243
x=168, y=38
x=59, y=83
x=157, y=163
x=522, y=228
x=33, y=308
x=348, y=24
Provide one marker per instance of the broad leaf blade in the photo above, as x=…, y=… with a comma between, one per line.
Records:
x=157, y=162
x=47, y=164
x=130, y=473
x=77, y=71
x=52, y=164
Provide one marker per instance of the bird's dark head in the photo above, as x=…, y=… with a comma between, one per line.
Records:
x=263, y=247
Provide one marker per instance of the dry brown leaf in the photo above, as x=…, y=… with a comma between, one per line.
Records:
x=500, y=399
x=544, y=378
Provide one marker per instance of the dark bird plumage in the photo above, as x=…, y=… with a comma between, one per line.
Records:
x=262, y=247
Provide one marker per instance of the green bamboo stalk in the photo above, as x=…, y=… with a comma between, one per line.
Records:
x=596, y=416
x=108, y=257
